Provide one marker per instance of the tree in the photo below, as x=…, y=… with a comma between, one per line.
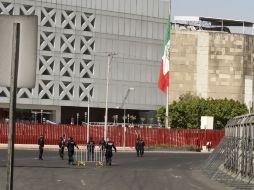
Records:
x=142, y=119
x=186, y=112
x=151, y=120
x=133, y=118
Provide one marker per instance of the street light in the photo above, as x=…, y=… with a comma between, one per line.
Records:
x=110, y=57
x=88, y=120
x=77, y=118
x=124, y=113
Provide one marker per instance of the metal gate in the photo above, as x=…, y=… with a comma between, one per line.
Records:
x=88, y=154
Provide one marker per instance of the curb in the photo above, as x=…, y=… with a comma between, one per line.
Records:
x=119, y=149
x=56, y=147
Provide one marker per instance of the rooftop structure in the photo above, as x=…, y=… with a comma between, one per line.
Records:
x=210, y=22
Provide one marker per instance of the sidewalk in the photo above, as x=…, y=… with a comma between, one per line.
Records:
x=119, y=149
x=56, y=147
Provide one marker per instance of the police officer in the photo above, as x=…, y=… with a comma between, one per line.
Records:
x=41, y=143
x=109, y=146
x=61, y=145
x=141, y=147
x=90, y=149
x=70, y=146
x=137, y=146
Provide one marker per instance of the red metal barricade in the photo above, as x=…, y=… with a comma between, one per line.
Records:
x=27, y=133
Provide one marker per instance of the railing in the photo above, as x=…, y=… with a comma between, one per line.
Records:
x=239, y=150
x=90, y=154
x=231, y=162
x=27, y=133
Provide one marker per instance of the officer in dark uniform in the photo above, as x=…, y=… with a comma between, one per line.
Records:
x=109, y=146
x=41, y=143
x=90, y=149
x=140, y=144
x=70, y=146
x=141, y=147
x=137, y=146
x=61, y=144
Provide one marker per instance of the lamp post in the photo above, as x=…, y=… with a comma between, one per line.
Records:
x=124, y=114
x=86, y=117
x=41, y=115
x=88, y=121
x=110, y=57
x=77, y=118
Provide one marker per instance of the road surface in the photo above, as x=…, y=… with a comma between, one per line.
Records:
x=154, y=171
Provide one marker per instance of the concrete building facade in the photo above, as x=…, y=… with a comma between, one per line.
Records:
x=74, y=39
x=212, y=64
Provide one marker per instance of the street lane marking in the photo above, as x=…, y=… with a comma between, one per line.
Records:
x=195, y=186
x=83, y=182
x=176, y=176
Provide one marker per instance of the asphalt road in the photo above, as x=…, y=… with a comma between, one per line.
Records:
x=154, y=171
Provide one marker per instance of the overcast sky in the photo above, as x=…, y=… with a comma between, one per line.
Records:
x=231, y=9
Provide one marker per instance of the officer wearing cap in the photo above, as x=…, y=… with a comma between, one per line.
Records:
x=109, y=152
x=41, y=143
x=70, y=146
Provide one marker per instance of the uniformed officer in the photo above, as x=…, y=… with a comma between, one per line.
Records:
x=141, y=147
x=61, y=145
x=41, y=143
x=90, y=149
x=109, y=146
x=140, y=144
x=137, y=146
x=70, y=146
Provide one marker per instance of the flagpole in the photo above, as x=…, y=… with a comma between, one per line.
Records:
x=167, y=102
x=167, y=108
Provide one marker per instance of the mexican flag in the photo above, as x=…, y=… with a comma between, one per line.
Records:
x=163, y=81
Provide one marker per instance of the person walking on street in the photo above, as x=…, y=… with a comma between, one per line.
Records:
x=109, y=152
x=61, y=144
x=141, y=147
x=140, y=144
x=41, y=143
x=70, y=146
x=137, y=146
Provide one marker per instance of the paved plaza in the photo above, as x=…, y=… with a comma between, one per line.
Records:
x=154, y=171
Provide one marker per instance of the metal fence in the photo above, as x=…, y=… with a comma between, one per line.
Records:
x=239, y=152
x=90, y=154
x=232, y=160
x=27, y=133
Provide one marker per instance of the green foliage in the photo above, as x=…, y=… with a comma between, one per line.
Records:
x=133, y=118
x=142, y=119
x=161, y=114
x=187, y=112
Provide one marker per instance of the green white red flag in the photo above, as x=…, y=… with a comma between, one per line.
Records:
x=163, y=81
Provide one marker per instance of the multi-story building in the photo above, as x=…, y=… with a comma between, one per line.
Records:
x=212, y=61
x=75, y=37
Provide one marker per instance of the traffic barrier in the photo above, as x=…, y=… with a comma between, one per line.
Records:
x=90, y=154
x=28, y=133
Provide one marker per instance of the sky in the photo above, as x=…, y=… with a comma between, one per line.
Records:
x=231, y=9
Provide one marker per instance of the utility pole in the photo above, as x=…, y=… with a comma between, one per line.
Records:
x=110, y=57
x=124, y=114
x=12, y=110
